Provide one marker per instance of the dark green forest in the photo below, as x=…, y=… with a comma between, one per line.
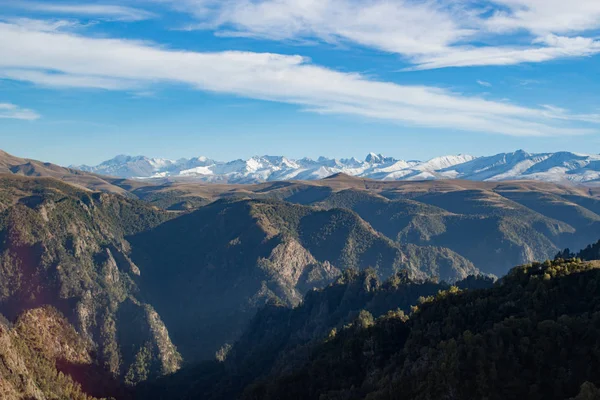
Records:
x=534, y=334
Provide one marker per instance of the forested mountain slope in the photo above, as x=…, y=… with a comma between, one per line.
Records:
x=534, y=334
x=227, y=259
x=281, y=339
x=65, y=247
x=43, y=357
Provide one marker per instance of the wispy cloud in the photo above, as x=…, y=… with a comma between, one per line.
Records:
x=528, y=82
x=403, y=27
x=429, y=34
x=484, y=83
x=543, y=49
x=66, y=59
x=545, y=16
x=561, y=113
x=12, y=111
x=106, y=11
x=50, y=78
x=47, y=25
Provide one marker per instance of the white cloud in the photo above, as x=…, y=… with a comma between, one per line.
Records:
x=546, y=16
x=12, y=111
x=484, y=83
x=109, y=11
x=561, y=113
x=404, y=27
x=429, y=34
x=555, y=47
x=66, y=59
x=59, y=79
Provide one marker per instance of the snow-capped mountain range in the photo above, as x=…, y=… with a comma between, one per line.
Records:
x=519, y=165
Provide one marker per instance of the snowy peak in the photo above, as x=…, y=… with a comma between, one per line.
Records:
x=373, y=158
x=440, y=163
x=552, y=167
x=142, y=167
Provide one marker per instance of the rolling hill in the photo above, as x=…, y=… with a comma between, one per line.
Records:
x=10, y=164
x=517, y=222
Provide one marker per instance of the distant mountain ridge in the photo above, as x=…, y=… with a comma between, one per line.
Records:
x=559, y=167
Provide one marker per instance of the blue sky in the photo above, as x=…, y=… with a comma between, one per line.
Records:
x=83, y=81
